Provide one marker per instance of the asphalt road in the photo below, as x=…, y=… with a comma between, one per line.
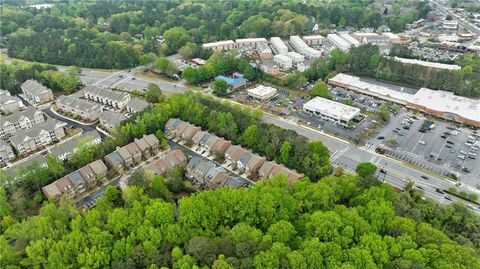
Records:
x=461, y=21
x=345, y=155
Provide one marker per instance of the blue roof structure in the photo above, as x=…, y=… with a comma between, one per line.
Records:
x=232, y=82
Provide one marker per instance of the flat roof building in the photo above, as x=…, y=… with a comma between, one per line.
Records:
x=451, y=25
x=220, y=45
x=401, y=95
x=331, y=110
x=428, y=64
x=283, y=61
x=250, y=42
x=447, y=106
x=278, y=45
x=338, y=42
x=394, y=39
x=262, y=92
x=350, y=39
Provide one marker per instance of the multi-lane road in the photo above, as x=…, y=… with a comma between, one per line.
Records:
x=464, y=23
x=347, y=156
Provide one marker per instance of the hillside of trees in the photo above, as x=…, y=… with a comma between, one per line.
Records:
x=115, y=34
x=334, y=223
x=365, y=60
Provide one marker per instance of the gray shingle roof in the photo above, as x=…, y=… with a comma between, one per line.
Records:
x=33, y=87
x=78, y=103
x=115, y=158
x=71, y=144
x=112, y=118
x=137, y=104
x=18, y=115
x=48, y=126
x=106, y=93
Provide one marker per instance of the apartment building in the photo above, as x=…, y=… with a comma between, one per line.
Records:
x=136, y=105
x=106, y=96
x=8, y=103
x=110, y=119
x=29, y=140
x=313, y=40
x=11, y=124
x=65, y=150
x=283, y=61
x=220, y=45
x=278, y=46
x=76, y=107
x=6, y=152
x=35, y=93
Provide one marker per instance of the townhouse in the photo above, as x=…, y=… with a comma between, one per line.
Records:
x=11, y=124
x=244, y=160
x=6, y=152
x=106, y=96
x=78, y=181
x=270, y=169
x=210, y=144
x=136, y=105
x=35, y=93
x=174, y=158
x=65, y=150
x=8, y=103
x=131, y=154
x=110, y=119
x=39, y=136
x=76, y=107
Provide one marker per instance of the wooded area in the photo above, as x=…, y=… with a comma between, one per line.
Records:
x=115, y=34
x=333, y=223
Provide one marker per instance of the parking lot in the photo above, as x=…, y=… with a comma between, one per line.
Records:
x=442, y=148
x=363, y=102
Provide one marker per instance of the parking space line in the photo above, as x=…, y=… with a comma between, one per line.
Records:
x=443, y=146
x=417, y=142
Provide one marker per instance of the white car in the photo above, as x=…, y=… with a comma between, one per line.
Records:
x=461, y=157
x=421, y=142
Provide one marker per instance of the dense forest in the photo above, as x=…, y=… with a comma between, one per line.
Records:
x=115, y=34
x=334, y=223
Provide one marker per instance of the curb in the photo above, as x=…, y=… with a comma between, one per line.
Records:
x=70, y=119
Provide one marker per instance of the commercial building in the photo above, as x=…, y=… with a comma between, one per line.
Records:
x=110, y=119
x=220, y=45
x=251, y=42
x=106, y=96
x=338, y=42
x=77, y=182
x=11, y=124
x=278, y=45
x=400, y=95
x=8, y=103
x=262, y=92
x=313, y=40
x=450, y=25
x=331, y=110
x=434, y=65
x=30, y=140
x=301, y=47
x=353, y=42
x=35, y=93
x=447, y=106
x=296, y=57
x=136, y=105
x=76, y=107
x=6, y=152
x=394, y=39
x=283, y=61
x=65, y=150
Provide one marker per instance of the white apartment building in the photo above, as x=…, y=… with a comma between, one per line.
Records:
x=313, y=40
x=301, y=47
x=35, y=93
x=11, y=124
x=338, y=42
x=30, y=140
x=353, y=42
x=283, y=61
x=296, y=57
x=220, y=45
x=278, y=45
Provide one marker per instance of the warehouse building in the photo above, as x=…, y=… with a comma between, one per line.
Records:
x=447, y=106
x=331, y=110
x=262, y=92
x=283, y=61
x=278, y=46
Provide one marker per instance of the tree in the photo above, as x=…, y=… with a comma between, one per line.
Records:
x=147, y=59
x=153, y=93
x=384, y=113
x=187, y=50
x=220, y=87
x=165, y=66
x=285, y=152
x=5, y=207
x=320, y=89
x=366, y=169
x=175, y=38
x=249, y=136
x=55, y=165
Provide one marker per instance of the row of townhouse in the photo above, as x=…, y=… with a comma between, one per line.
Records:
x=131, y=154
x=39, y=136
x=35, y=93
x=174, y=158
x=11, y=124
x=78, y=181
x=111, y=119
x=64, y=151
x=106, y=96
x=238, y=158
x=206, y=175
x=76, y=107
x=8, y=103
